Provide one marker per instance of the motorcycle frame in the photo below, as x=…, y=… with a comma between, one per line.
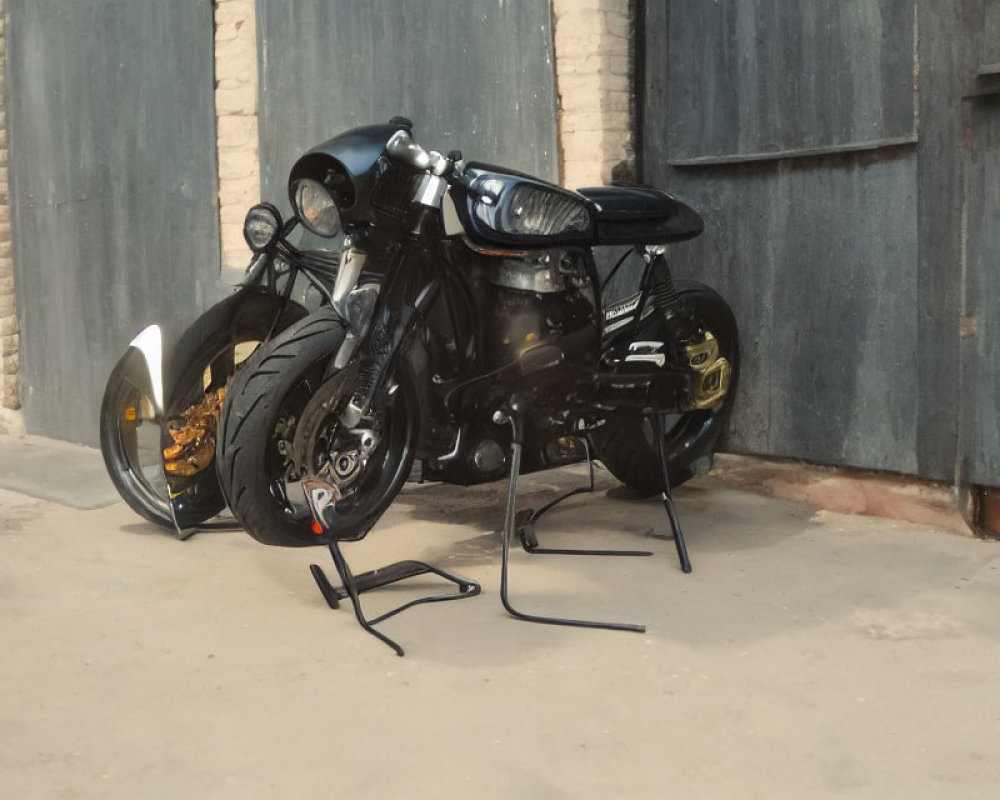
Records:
x=427, y=273
x=428, y=270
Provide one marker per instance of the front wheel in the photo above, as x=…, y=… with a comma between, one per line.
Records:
x=282, y=422
x=367, y=463
x=625, y=441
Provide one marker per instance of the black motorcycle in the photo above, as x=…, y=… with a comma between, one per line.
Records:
x=162, y=400
x=468, y=337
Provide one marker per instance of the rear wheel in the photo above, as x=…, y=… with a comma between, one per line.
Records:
x=625, y=442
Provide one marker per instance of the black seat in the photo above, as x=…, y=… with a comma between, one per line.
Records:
x=641, y=215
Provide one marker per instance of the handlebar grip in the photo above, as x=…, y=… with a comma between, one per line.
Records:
x=403, y=149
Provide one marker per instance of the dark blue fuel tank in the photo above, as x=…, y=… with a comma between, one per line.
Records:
x=513, y=210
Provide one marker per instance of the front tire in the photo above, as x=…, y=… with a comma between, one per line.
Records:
x=625, y=441
x=257, y=429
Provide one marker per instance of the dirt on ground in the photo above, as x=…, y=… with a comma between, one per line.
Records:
x=809, y=655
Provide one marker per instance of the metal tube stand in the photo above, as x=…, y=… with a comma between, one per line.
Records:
x=526, y=519
x=353, y=585
x=512, y=414
x=668, y=500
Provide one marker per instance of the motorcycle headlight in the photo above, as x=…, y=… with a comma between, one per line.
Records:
x=261, y=226
x=316, y=208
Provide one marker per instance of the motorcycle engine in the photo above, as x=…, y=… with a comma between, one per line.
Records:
x=534, y=306
x=543, y=272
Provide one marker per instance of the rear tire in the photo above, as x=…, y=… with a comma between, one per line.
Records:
x=625, y=442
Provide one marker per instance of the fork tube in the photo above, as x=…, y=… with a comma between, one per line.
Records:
x=395, y=316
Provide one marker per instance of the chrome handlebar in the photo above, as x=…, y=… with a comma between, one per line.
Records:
x=403, y=149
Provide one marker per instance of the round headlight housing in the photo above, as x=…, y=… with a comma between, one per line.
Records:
x=261, y=226
x=316, y=207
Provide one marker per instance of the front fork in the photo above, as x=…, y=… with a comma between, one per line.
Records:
x=379, y=320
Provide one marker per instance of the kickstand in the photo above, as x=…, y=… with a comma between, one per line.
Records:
x=353, y=585
x=668, y=500
x=512, y=414
x=526, y=519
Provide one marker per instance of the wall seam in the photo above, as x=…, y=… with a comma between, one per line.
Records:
x=9, y=327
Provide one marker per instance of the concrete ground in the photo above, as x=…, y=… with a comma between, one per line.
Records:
x=808, y=655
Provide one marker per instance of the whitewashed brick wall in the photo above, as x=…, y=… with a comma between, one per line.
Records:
x=593, y=82
x=236, y=114
x=9, y=399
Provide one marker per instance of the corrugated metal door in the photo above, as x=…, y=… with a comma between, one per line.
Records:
x=477, y=76
x=824, y=144
x=112, y=164
x=981, y=274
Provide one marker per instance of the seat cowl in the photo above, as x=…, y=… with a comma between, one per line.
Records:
x=629, y=202
x=641, y=215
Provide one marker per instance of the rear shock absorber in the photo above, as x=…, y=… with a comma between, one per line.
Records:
x=663, y=296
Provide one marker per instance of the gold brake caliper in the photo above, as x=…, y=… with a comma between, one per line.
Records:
x=194, y=438
x=715, y=372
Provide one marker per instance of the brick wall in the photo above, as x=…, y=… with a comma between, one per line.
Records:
x=236, y=114
x=593, y=81
x=9, y=399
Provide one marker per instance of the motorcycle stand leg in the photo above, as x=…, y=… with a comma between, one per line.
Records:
x=668, y=500
x=353, y=586
x=511, y=414
x=527, y=518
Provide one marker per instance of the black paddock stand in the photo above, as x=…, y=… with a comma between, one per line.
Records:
x=210, y=525
x=668, y=499
x=524, y=522
x=512, y=414
x=353, y=585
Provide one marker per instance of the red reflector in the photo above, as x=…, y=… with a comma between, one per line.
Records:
x=317, y=528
